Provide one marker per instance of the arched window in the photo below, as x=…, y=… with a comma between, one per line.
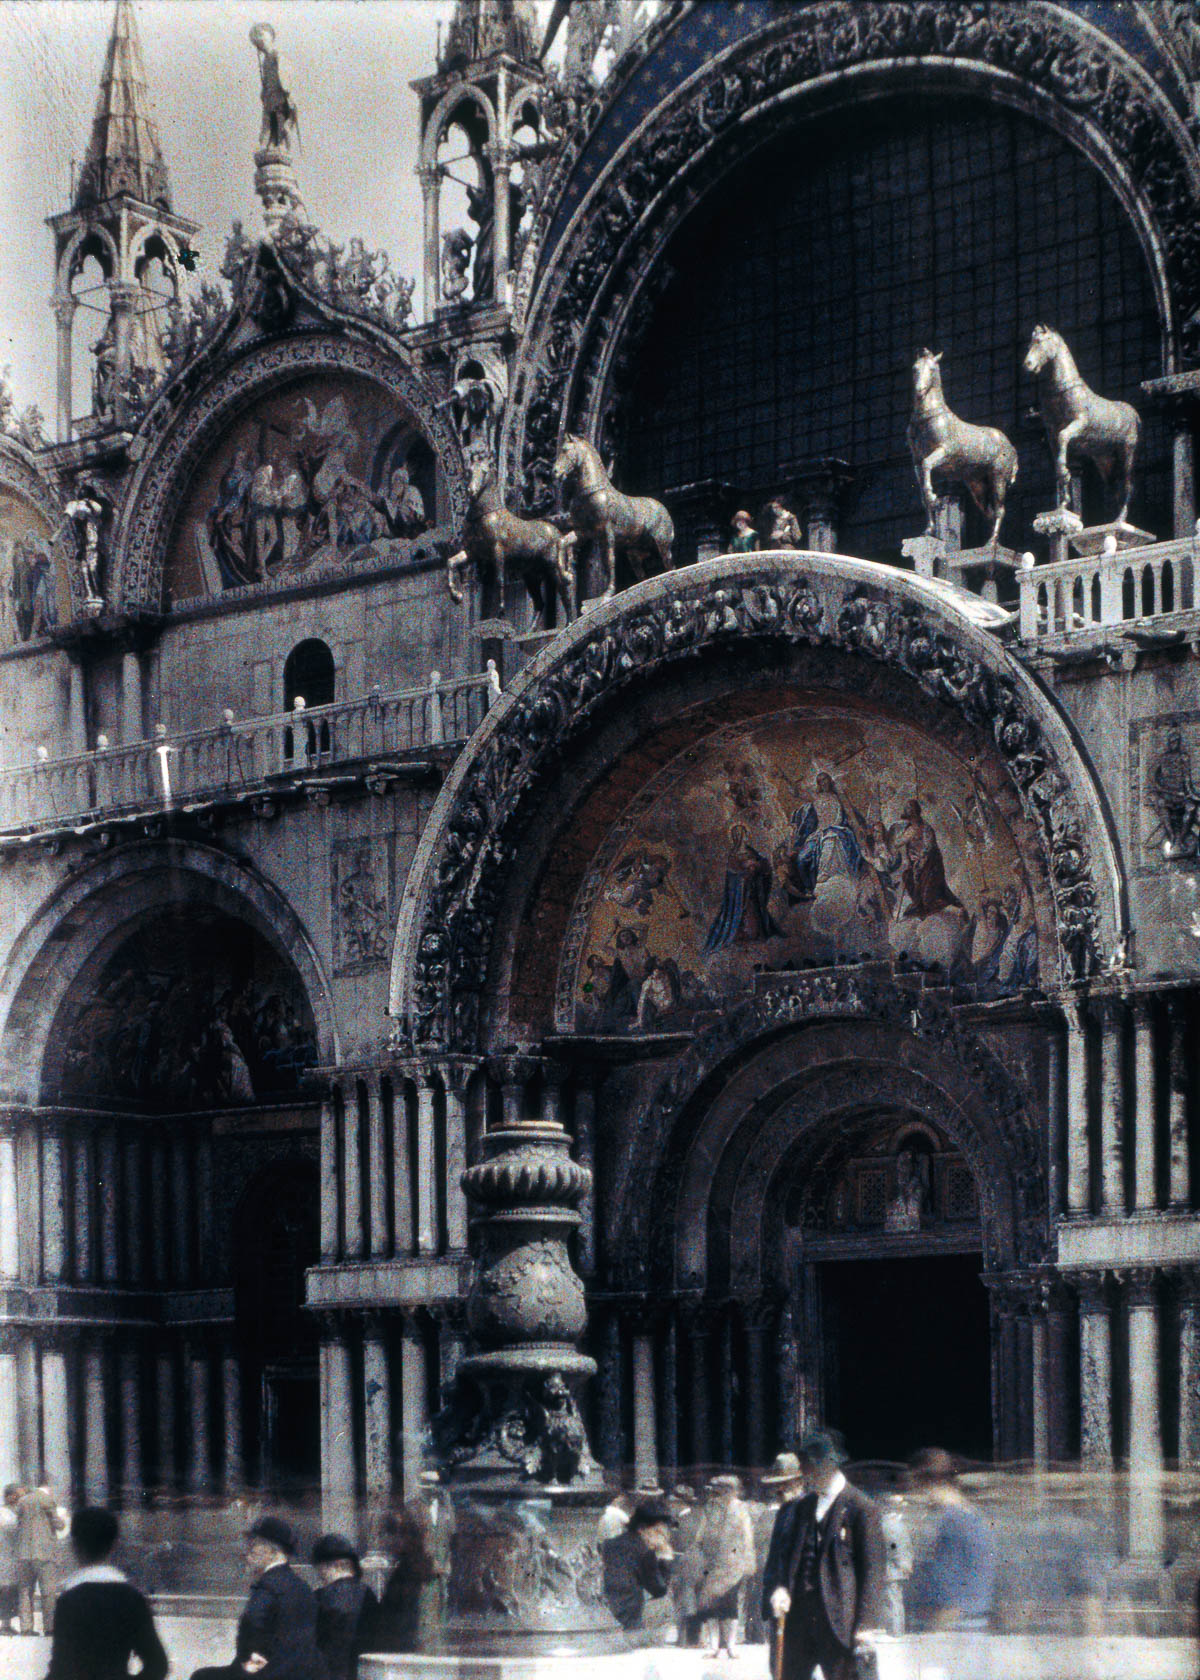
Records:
x=308, y=675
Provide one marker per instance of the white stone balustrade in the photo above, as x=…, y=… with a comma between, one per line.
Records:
x=1085, y=593
x=202, y=764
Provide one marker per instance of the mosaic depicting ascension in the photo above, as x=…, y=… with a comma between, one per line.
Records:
x=807, y=839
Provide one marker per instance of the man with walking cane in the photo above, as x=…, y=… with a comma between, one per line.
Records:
x=825, y=1578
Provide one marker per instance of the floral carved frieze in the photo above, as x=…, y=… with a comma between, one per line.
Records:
x=708, y=610
x=1038, y=56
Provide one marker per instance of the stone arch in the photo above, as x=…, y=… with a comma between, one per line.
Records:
x=161, y=479
x=170, y=252
x=85, y=235
x=752, y=1095
x=606, y=228
x=447, y=938
x=88, y=916
x=441, y=117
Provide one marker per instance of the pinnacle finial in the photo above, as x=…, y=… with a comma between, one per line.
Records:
x=124, y=156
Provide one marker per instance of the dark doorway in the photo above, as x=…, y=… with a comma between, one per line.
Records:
x=907, y=1355
x=276, y=1238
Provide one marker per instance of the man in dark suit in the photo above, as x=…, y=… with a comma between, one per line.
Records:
x=825, y=1576
x=101, y=1621
x=277, y=1633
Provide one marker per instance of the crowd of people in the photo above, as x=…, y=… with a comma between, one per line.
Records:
x=813, y=1567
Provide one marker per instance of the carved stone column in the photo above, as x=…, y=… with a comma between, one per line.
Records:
x=1189, y=1367
x=337, y=1431
x=159, y=1216
x=1145, y=1195
x=430, y=178
x=609, y=1390
x=56, y=1417
x=1059, y=1310
x=1180, y=1169
x=699, y=1327
x=197, y=1371
x=757, y=1319
x=352, y=1208
x=206, y=1235
x=133, y=728
x=182, y=1207
x=133, y=1469
x=414, y=1414
x=451, y=1320
x=165, y=1416
x=1056, y=1153
x=793, y=1419
x=645, y=1410
x=456, y=1076
x=10, y=1425
x=426, y=1162
x=95, y=1427
x=64, y=318
x=377, y=1182
x=725, y=1384
x=1112, y=1106
x=107, y=1195
x=234, y=1457
x=329, y=1179
x=402, y=1174
x=1146, y=1527
x=377, y=1410
x=668, y=1388
x=821, y=490
x=1095, y=1368
x=54, y=1206
x=10, y=1252
x=79, y=1155
x=1039, y=1382
x=133, y=1210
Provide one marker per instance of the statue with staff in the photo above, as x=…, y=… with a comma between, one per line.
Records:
x=280, y=118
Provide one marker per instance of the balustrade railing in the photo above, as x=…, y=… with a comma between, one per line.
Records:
x=1085, y=593
x=174, y=770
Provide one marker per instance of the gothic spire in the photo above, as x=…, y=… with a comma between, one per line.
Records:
x=482, y=27
x=124, y=156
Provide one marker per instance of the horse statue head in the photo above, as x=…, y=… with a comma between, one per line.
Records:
x=481, y=476
x=1044, y=345
x=927, y=375
x=570, y=457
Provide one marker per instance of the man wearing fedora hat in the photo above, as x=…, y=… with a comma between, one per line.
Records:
x=824, y=1581
x=277, y=1632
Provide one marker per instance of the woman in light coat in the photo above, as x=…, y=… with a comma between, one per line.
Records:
x=725, y=1545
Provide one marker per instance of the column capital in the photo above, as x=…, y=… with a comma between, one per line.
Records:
x=1143, y=1010
x=429, y=174
x=1092, y=1289
x=1187, y=1281
x=1108, y=1008
x=1177, y=1012
x=515, y=1067
x=1053, y=1294
x=64, y=307
x=457, y=1073
x=1141, y=1285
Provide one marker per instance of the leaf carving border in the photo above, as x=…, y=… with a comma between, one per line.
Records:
x=681, y=618
x=159, y=488
x=619, y=229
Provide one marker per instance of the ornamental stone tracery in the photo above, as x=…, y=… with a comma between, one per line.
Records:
x=1037, y=58
x=447, y=929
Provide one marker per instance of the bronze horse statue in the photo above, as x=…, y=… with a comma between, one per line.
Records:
x=1080, y=423
x=609, y=523
x=499, y=545
x=978, y=457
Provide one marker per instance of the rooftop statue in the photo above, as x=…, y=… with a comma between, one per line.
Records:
x=280, y=119
x=980, y=458
x=608, y=523
x=1080, y=423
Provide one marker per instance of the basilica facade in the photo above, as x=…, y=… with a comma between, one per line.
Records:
x=827, y=863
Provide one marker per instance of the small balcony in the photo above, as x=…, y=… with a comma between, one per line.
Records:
x=1075, y=600
x=240, y=759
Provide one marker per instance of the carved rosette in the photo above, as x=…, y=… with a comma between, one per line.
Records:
x=514, y=1418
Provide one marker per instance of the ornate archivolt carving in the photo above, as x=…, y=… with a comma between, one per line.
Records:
x=797, y=1000
x=1034, y=55
x=447, y=925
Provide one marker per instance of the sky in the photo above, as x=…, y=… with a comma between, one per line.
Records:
x=351, y=62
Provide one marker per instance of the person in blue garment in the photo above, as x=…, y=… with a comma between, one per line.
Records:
x=824, y=842
x=744, y=915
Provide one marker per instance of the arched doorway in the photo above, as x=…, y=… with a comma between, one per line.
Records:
x=276, y=1237
x=885, y=1281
